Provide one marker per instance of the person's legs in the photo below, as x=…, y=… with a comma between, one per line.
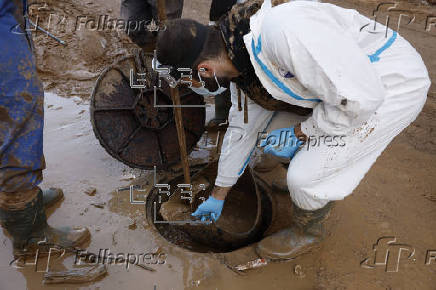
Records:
x=21, y=140
x=21, y=116
x=329, y=168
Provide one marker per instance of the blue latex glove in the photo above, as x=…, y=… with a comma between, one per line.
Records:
x=211, y=208
x=281, y=143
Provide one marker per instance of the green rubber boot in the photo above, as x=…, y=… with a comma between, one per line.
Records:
x=51, y=196
x=305, y=234
x=29, y=226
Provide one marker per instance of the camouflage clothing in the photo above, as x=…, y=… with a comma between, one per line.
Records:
x=233, y=27
x=21, y=116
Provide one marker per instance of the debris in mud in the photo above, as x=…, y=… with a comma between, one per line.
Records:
x=84, y=211
x=91, y=191
x=98, y=204
x=298, y=271
x=430, y=197
x=128, y=177
x=252, y=264
x=82, y=275
x=132, y=225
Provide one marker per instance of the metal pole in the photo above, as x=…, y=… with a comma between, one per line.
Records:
x=161, y=11
x=181, y=133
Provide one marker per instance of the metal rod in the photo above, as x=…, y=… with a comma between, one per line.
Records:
x=181, y=134
x=239, y=100
x=161, y=10
x=47, y=33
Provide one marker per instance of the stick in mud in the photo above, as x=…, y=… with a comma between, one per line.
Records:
x=252, y=264
x=82, y=275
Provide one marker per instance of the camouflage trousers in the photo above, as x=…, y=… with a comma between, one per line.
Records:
x=21, y=116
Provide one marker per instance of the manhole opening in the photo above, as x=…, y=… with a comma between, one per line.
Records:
x=245, y=217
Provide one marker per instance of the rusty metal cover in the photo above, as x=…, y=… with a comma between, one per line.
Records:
x=128, y=124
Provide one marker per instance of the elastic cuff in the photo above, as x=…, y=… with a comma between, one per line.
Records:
x=225, y=181
x=307, y=202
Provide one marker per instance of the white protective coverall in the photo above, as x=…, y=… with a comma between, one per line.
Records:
x=365, y=86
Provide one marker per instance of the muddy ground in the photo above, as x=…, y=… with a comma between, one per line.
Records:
x=397, y=198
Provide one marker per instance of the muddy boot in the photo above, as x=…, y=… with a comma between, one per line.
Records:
x=51, y=196
x=29, y=226
x=304, y=235
x=280, y=185
x=279, y=182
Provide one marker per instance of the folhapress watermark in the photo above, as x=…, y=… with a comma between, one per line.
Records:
x=389, y=254
x=106, y=257
x=47, y=255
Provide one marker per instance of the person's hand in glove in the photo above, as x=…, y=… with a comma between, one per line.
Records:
x=212, y=207
x=281, y=143
x=209, y=209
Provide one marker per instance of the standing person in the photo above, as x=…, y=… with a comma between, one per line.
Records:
x=363, y=84
x=22, y=202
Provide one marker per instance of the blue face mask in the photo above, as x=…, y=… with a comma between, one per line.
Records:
x=205, y=92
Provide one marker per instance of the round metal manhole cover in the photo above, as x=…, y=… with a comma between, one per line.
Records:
x=136, y=126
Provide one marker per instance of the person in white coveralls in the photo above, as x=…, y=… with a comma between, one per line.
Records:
x=362, y=85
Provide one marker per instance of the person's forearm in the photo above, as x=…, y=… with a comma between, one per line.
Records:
x=220, y=193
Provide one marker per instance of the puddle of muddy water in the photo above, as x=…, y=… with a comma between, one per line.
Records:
x=76, y=162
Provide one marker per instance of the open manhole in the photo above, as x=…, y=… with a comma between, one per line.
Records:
x=245, y=217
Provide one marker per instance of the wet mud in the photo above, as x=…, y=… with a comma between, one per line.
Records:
x=396, y=199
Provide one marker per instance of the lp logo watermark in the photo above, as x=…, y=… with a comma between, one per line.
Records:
x=389, y=254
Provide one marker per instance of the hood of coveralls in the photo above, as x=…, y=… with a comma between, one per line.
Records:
x=279, y=82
